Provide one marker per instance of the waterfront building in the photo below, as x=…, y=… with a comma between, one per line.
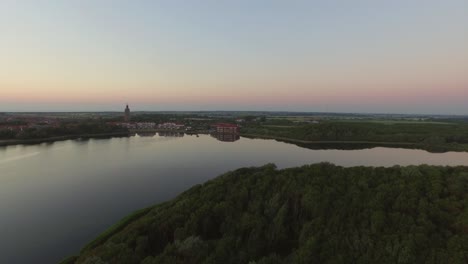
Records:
x=225, y=128
x=123, y=125
x=145, y=125
x=171, y=126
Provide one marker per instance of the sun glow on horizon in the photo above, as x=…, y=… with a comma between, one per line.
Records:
x=302, y=56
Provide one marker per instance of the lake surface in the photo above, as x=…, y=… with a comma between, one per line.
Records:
x=56, y=197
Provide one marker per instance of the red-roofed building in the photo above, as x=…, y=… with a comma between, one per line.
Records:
x=225, y=128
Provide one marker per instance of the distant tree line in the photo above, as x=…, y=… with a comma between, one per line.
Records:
x=424, y=134
x=66, y=128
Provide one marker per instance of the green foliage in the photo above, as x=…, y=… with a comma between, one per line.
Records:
x=312, y=214
x=116, y=228
x=69, y=260
x=451, y=136
x=87, y=127
x=7, y=134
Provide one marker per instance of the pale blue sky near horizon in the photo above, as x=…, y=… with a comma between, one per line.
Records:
x=333, y=56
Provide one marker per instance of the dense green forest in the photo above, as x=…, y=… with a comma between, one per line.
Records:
x=319, y=213
x=449, y=136
x=65, y=129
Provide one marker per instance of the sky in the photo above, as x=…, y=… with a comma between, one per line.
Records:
x=366, y=56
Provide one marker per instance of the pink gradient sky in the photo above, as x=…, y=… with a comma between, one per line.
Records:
x=329, y=56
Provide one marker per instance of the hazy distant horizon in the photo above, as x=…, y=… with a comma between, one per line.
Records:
x=142, y=110
x=323, y=108
x=327, y=56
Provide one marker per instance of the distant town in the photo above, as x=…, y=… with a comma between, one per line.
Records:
x=36, y=126
x=222, y=125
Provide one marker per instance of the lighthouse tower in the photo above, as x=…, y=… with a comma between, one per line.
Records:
x=127, y=114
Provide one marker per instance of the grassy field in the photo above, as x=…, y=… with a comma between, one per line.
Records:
x=378, y=121
x=392, y=122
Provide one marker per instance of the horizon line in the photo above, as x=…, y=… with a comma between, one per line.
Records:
x=242, y=111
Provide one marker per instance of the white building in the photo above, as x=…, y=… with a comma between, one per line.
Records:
x=171, y=126
x=145, y=125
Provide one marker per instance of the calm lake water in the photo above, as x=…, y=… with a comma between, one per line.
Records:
x=55, y=197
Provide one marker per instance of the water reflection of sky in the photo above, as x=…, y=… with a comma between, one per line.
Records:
x=55, y=197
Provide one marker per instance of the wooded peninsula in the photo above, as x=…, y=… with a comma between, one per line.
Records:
x=318, y=213
x=430, y=136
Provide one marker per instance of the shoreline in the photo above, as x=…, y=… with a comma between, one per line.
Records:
x=158, y=130
x=12, y=142
x=298, y=142
x=136, y=219
x=406, y=145
x=61, y=138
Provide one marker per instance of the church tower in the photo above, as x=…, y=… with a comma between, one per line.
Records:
x=127, y=114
